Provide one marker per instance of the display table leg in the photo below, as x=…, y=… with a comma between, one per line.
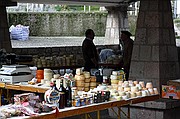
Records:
x=86, y=116
x=0, y=96
x=8, y=96
x=98, y=115
x=128, y=112
x=119, y=112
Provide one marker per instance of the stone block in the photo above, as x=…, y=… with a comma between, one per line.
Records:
x=125, y=23
x=165, y=36
x=112, y=35
x=153, y=36
x=108, y=32
x=135, y=53
x=41, y=50
x=68, y=49
x=155, y=105
x=145, y=114
x=155, y=53
x=24, y=51
x=168, y=20
x=48, y=50
x=109, y=22
x=172, y=37
x=152, y=19
x=140, y=20
x=153, y=5
x=55, y=49
x=62, y=49
x=32, y=51
x=139, y=104
x=16, y=50
x=145, y=53
x=151, y=70
x=115, y=22
x=163, y=52
x=172, y=53
x=140, y=36
x=159, y=114
x=137, y=69
x=144, y=5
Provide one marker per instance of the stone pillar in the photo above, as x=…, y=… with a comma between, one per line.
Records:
x=155, y=55
x=5, y=41
x=117, y=20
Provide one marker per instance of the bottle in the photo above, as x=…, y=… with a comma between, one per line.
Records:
x=52, y=95
x=68, y=95
x=62, y=95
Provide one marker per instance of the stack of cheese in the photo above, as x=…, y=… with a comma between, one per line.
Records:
x=80, y=79
x=132, y=89
x=93, y=83
x=87, y=80
x=116, y=77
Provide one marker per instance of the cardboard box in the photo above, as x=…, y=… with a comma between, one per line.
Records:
x=172, y=92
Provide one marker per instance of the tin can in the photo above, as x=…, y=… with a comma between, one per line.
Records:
x=83, y=101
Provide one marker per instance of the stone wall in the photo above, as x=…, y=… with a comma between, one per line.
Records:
x=60, y=24
x=58, y=51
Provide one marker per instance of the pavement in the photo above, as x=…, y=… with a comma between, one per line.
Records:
x=52, y=42
x=35, y=42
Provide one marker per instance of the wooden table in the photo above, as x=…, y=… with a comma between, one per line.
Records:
x=73, y=111
x=28, y=88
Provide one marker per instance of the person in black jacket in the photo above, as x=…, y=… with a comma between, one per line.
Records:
x=127, y=51
x=90, y=54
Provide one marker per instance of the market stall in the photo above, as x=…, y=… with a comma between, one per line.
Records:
x=70, y=95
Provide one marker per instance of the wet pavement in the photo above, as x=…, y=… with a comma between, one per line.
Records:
x=53, y=42
x=58, y=42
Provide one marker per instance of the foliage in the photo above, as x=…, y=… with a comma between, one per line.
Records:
x=132, y=24
x=176, y=20
x=75, y=8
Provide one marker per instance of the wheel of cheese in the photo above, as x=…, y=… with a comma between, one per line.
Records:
x=114, y=81
x=113, y=77
x=86, y=89
x=80, y=83
x=120, y=77
x=120, y=88
x=149, y=85
x=133, y=94
x=114, y=86
x=115, y=73
x=93, y=84
x=122, y=93
x=79, y=88
x=79, y=71
x=155, y=90
x=86, y=74
x=93, y=79
x=134, y=89
x=80, y=77
x=56, y=76
x=92, y=87
x=127, y=89
x=139, y=93
x=86, y=85
x=87, y=80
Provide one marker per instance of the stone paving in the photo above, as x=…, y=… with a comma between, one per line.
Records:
x=58, y=42
x=53, y=42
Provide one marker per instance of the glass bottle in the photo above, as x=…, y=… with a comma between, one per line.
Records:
x=62, y=99
x=68, y=95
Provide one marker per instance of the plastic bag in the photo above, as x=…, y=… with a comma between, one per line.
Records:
x=19, y=32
